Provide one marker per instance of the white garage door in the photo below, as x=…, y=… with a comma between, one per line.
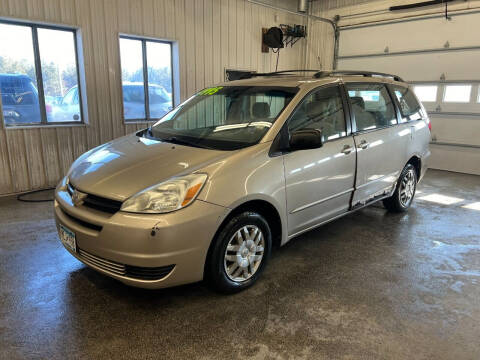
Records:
x=442, y=59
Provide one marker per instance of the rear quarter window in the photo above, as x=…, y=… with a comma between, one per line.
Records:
x=409, y=105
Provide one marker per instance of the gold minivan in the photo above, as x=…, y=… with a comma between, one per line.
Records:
x=237, y=169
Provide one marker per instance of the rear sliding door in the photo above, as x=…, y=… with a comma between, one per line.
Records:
x=381, y=143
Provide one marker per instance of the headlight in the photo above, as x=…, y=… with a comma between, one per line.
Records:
x=166, y=197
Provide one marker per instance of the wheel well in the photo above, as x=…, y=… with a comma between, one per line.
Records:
x=264, y=208
x=417, y=164
x=267, y=210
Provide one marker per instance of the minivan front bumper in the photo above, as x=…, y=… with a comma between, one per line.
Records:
x=143, y=250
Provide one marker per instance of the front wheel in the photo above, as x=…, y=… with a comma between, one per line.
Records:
x=402, y=198
x=240, y=253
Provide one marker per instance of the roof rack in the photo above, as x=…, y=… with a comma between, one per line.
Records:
x=251, y=74
x=322, y=74
x=284, y=72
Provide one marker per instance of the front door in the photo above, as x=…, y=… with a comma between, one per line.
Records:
x=319, y=182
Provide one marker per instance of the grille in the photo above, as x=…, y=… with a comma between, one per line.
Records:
x=134, y=272
x=98, y=203
x=82, y=223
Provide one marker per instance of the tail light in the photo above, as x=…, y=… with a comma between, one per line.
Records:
x=429, y=123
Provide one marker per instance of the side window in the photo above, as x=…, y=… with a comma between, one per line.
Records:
x=27, y=51
x=409, y=106
x=371, y=105
x=146, y=64
x=322, y=110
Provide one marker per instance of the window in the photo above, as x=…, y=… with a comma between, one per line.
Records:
x=38, y=68
x=426, y=93
x=224, y=117
x=457, y=93
x=409, y=106
x=371, y=105
x=146, y=64
x=322, y=110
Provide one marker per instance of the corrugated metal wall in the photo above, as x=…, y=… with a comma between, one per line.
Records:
x=211, y=34
x=320, y=40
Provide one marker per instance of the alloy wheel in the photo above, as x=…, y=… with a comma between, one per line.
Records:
x=244, y=253
x=407, y=188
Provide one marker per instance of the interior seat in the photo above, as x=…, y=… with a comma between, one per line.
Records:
x=364, y=119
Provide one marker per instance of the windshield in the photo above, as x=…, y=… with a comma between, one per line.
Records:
x=224, y=118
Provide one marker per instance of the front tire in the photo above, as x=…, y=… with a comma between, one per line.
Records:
x=239, y=253
x=402, y=198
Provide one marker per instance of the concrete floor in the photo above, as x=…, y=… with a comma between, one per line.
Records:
x=370, y=285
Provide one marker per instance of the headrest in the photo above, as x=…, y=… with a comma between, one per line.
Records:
x=358, y=100
x=261, y=110
x=315, y=108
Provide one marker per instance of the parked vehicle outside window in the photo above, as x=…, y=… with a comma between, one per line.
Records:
x=19, y=99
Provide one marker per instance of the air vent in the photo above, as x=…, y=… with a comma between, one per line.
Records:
x=128, y=271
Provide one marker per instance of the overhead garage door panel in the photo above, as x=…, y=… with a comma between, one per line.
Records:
x=430, y=33
x=456, y=65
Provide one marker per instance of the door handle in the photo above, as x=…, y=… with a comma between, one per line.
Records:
x=363, y=144
x=347, y=149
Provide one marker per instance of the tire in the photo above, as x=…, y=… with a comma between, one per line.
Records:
x=404, y=192
x=239, y=253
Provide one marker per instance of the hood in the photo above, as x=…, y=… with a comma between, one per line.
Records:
x=123, y=167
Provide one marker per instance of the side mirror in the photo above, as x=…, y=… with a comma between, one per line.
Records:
x=306, y=139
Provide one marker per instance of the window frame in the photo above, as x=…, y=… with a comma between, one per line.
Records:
x=396, y=109
x=39, y=75
x=345, y=106
x=144, y=40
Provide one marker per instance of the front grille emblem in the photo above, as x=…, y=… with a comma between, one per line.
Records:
x=78, y=197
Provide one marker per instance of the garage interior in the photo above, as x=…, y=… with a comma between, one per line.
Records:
x=369, y=285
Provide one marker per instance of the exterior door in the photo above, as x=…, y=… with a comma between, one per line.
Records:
x=319, y=182
x=381, y=143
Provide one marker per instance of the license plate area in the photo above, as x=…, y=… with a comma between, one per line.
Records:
x=67, y=237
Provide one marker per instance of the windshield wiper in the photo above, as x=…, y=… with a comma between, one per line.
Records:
x=176, y=140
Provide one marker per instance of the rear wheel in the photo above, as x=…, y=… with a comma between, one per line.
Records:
x=402, y=198
x=240, y=253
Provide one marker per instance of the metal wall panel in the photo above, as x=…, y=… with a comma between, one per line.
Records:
x=212, y=35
